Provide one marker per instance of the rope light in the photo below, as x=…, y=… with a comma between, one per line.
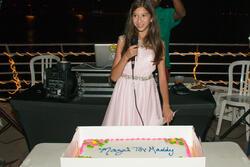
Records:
x=212, y=54
x=38, y=53
x=219, y=54
x=65, y=54
x=196, y=61
x=29, y=54
x=19, y=54
x=60, y=53
x=15, y=78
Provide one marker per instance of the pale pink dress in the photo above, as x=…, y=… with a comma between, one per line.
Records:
x=121, y=109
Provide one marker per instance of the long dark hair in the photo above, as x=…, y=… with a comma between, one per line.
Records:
x=152, y=39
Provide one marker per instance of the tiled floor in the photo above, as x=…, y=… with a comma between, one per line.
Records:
x=13, y=148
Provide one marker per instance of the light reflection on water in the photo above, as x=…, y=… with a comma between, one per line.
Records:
x=103, y=20
x=99, y=27
x=62, y=29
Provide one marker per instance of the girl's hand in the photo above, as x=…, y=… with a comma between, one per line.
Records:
x=131, y=52
x=168, y=114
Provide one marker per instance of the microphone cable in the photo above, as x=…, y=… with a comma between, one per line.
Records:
x=136, y=106
x=134, y=41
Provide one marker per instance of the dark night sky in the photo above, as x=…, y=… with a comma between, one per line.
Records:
x=221, y=21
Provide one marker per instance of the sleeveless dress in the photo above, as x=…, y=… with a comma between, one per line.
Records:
x=122, y=109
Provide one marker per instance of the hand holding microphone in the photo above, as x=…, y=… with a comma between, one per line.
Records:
x=133, y=49
x=131, y=52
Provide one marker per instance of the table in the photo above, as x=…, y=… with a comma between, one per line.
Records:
x=218, y=154
x=51, y=121
x=196, y=108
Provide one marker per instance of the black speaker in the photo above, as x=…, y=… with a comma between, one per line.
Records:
x=60, y=82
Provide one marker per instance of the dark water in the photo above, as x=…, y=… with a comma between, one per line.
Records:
x=224, y=21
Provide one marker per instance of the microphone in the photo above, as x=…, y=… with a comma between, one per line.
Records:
x=134, y=41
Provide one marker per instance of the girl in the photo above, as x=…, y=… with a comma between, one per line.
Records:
x=135, y=99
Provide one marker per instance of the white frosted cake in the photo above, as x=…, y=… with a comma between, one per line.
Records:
x=134, y=148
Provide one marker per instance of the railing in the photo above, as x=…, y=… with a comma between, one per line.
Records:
x=207, y=63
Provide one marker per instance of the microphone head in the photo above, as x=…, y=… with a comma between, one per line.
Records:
x=134, y=40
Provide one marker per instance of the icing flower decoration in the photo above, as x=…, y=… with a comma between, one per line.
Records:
x=95, y=142
x=178, y=141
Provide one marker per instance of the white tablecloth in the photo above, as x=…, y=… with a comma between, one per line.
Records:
x=218, y=154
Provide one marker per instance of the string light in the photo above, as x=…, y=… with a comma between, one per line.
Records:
x=15, y=78
x=196, y=61
x=62, y=54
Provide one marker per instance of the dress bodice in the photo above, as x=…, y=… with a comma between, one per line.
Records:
x=144, y=65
